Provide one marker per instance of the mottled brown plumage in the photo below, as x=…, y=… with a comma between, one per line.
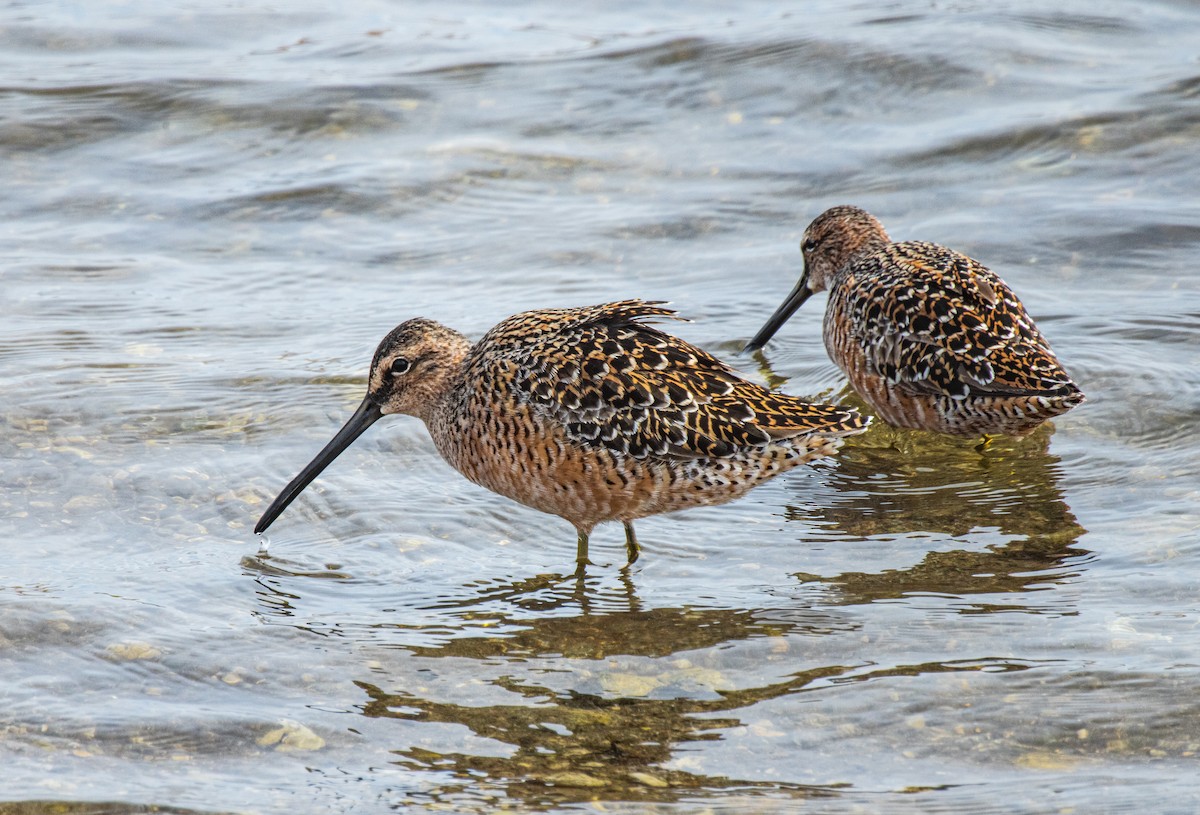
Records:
x=931, y=338
x=588, y=413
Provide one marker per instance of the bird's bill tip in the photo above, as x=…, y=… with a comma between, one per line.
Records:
x=365, y=416
x=794, y=300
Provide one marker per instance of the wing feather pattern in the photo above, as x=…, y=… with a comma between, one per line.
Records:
x=612, y=379
x=934, y=321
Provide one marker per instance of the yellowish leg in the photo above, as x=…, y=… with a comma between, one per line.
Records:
x=986, y=442
x=581, y=550
x=632, y=550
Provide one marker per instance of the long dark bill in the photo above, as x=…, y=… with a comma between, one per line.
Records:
x=794, y=300
x=367, y=414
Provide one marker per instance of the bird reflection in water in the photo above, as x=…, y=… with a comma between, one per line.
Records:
x=895, y=484
x=604, y=739
x=592, y=696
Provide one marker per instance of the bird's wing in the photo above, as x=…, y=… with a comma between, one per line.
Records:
x=610, y=379
x=934, y=321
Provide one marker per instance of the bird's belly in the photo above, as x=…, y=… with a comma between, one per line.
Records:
x=973, y=415
x=531, y=461
x=536, y=464
x=894, y=405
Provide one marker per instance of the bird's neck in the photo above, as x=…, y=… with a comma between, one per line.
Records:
x=442, y=385
x=863, y=245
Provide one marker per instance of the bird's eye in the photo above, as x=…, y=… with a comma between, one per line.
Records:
x=400, y=365
x=808, y=245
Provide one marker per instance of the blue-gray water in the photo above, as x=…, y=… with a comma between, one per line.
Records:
x=212, y=213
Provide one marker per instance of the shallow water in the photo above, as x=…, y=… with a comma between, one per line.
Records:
x=213, y=213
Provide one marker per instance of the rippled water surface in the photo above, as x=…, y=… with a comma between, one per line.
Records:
x=213, y=212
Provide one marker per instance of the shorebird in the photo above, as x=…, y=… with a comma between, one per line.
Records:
x=929, y=337
x=588, y=413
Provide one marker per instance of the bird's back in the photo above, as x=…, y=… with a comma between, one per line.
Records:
x=917, y=320
x=612, y=380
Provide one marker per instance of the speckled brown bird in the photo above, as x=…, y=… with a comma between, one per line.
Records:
x=929, y=337
x=588, y=413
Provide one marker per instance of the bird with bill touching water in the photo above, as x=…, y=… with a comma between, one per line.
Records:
x=592, y=414
x=930, y=338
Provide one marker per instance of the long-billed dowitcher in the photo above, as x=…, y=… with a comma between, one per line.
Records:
x=929, y=337
x=588, y=413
